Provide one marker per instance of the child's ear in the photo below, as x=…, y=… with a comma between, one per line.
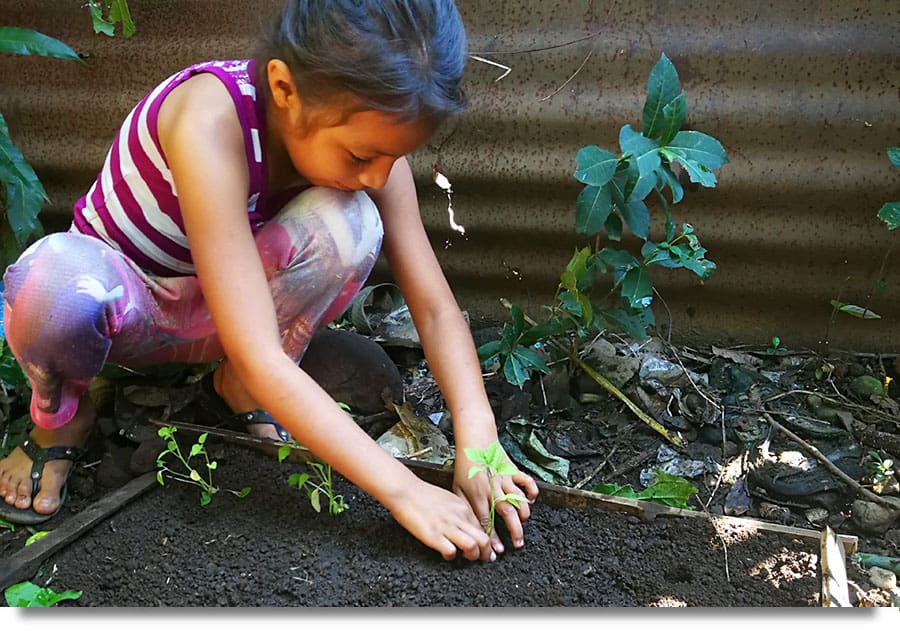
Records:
x=281, y=86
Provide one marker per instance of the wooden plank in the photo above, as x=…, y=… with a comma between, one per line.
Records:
x=552, y=494
x=23, y=564
x=833, y=572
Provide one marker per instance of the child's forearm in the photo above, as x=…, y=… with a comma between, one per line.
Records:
x=316, y=421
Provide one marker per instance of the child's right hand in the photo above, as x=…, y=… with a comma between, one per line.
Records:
x=444, y=521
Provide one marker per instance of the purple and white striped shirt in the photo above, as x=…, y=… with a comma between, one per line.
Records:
x=133, y=205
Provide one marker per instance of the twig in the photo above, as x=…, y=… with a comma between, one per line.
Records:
x=815, y=452
x=719, y=535
x=571, y=77
x=597, y=469
x=507, y=70
x=674, y=439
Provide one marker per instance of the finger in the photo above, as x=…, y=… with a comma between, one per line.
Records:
x=528, y=483
x=473, y=542
x=512, y=518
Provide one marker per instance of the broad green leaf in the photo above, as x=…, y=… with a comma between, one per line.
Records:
x=667, y=490
x=668, y=177
x=23, y=193
x=540, y=332
x=30, y=42
x=119, y=12
x=205, y=498
x=196, y=449
x=592, y=209
x=488, y=350
x=699, y=153
x=518, y=319
x=283, y=452
x=474, y=470
x=243, y=492
x=662, y=87
x=618, y=258
x=531, y=358
x=195, y=476
x=890, y=214
x=633, y=323
x=101, y=25
x=27, y=594
x=582, y=275
x=314, y=500
x=894, y=155
x=674, y=114
x=646, y=155
x=515, y=372
x=595, y=166
x=613, y=227
x=494, y=455
x=637, y=288
x=699, y=147
x=637, y=216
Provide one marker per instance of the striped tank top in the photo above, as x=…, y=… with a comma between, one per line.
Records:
x=133, y=205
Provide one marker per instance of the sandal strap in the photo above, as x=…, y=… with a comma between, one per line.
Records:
x=40, y=456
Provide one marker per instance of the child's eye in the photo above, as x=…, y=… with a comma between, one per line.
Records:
x=358, y=160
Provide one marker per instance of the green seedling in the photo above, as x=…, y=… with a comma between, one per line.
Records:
x=37, y=536
x=492, y=460
x=776, y=347
x=315, y=490
x=8, y=525
x=27, y=594
x=192, y=475
x=880, y=469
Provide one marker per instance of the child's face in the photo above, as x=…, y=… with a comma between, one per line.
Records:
x=357, y=153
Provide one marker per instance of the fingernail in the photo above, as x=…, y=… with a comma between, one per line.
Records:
x=519, y=543
x=493, y=556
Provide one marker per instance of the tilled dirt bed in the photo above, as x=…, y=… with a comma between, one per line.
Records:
x=272, y=549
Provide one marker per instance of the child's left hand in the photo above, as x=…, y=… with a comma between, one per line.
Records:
x=478, y=492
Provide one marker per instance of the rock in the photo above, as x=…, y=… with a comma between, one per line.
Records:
x=872, y=518
x=353, y=369
x=883, y=579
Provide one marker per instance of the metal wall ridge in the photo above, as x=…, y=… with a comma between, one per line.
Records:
x=804, y=97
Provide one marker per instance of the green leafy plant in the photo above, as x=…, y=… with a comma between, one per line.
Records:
x=492, y=460
x=667, y=490
x=880, y=469
x=8, y=525
x=775, y=346
x=27, y=594
x=105, y=14
x=315, y=489
x=187, y=473
x=614, y=197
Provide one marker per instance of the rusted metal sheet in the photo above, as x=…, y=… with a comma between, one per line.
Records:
x=803, y=96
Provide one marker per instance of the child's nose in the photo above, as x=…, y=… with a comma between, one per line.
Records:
x=376, y=173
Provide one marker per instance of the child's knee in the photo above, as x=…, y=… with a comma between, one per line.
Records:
x=337, y=232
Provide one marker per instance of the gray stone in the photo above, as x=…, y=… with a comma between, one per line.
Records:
x=353, y=369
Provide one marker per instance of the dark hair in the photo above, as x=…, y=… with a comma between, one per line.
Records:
x=404, y=57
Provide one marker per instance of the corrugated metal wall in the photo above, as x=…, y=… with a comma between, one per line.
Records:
x=804, y=97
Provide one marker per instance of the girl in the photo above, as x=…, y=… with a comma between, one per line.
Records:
x=184, y=250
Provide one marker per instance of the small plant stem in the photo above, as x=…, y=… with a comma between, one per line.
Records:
x=674, y=439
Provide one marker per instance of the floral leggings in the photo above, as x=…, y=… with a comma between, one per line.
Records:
x=74, y=303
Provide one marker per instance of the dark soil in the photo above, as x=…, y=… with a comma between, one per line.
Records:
x=272, y=549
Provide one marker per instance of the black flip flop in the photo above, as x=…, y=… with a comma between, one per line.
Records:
x=39, y=457
x=216, y=409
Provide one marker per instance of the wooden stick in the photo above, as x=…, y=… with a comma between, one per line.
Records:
x=833, y=572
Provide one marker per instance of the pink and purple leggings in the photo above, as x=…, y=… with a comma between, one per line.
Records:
x=74, y=303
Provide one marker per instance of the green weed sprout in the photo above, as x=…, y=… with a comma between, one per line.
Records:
x=492, y=461
x=27, y=594
x=880, y=469
x=192, y=476
x=315, y=490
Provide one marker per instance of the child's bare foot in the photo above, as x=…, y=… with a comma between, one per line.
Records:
x=18, y=471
